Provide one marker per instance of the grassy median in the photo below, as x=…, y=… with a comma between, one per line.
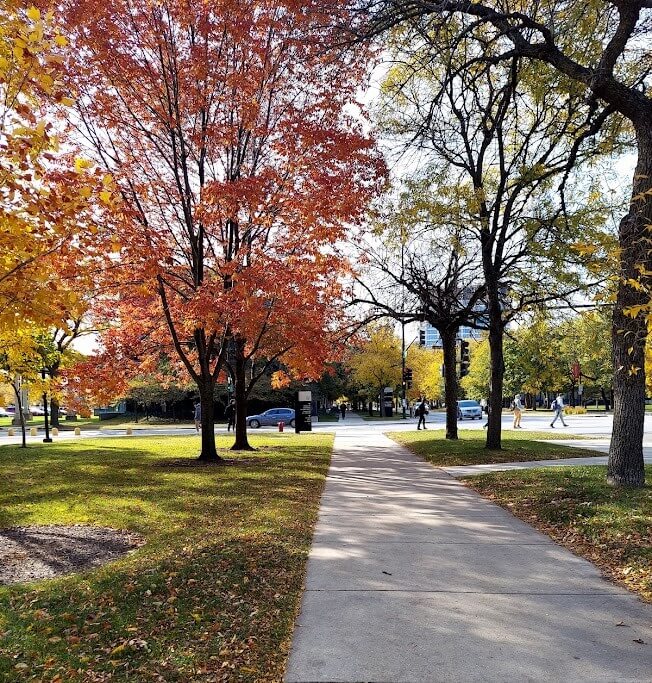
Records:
x=213, y=593
x=469, y=448
x=610, y=526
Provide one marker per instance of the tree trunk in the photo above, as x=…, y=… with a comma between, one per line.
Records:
x=53, y=371
x=497, y=370
x=605, y=399
x=448, y=340
x=208, y=447
x=626, y=464
x=54, y=413
x=240, y=395
x=19, y=406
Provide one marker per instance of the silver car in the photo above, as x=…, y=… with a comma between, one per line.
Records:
x=272, y=417
x=468, y=408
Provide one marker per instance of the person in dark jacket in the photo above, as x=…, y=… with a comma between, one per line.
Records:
x=229, y=414
x=343, y=410
x=422, y=411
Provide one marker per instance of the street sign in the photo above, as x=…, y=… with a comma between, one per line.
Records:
x=302, y=412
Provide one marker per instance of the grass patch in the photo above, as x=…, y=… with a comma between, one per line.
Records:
x=378, y=418
x=576, y=507
x=212, y=595
x=469, y=448
x=327, y=417
x=90, y=423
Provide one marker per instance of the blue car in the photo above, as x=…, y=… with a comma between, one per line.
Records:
x=272, y=417
x=470, y=409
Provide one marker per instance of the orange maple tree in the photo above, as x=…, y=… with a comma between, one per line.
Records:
x=231, y=134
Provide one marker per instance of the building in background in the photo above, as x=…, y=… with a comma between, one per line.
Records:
x=430, y=338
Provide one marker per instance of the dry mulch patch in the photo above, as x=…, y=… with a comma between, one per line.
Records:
x=32, y=553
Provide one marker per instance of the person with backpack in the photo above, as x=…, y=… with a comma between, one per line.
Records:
x=558, y=407
x=422, y=411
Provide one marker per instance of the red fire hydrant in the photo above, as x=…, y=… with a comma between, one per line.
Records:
x=281, y=425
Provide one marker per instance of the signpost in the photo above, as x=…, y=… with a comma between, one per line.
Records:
x=302, y=412
x=388, y=401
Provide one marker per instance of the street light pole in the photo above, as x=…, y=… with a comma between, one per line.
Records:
x=45, y=411
x=403, y=381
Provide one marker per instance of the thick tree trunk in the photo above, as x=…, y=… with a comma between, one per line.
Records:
x=449, y=344
x=54, y=412
x=240, y=394
x=497, y=371
x=626, y=465
x=208, y=447
x=53, y=371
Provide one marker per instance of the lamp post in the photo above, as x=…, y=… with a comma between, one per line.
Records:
x=403, y=349
x=45, y=411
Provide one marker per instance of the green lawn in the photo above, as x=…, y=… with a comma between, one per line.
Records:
x=211, y=596
x=612, y=527
x=111, y=423
x=469, y=448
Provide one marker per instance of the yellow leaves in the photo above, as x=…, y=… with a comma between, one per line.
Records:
x=585, y=248
x=34, y=14
x=633, y=370
x=67, y=101
x=18, y=52
x=633, y=311
x=61, y=41
x=105, y=196
x=85, y=191
x=82, y=164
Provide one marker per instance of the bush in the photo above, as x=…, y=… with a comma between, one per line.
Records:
x=579, y=410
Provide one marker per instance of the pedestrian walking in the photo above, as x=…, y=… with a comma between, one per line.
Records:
x=229, y=414
x=517, y=407
x=197, y=416
x=558, y=406
x=343, y=410
x=422, y=411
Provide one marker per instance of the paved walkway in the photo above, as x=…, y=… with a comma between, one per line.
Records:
x=412, y=577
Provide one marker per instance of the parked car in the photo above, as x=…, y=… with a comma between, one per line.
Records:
x=36, y=410
x=468, y=408
x=11, y=410
x=5, y=413
x=272, y=417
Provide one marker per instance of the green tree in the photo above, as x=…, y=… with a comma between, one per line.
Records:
x=493, y=140
x=599, y=49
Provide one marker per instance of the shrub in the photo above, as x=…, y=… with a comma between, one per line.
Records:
x=579, y=410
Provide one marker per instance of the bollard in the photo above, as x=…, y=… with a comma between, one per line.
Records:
x=130, y=431
x=55, y=431
x=32, y=431
x=11, y=431
x=281, y=425
x=77, y=431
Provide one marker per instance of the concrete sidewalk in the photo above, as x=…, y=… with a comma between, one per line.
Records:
x=412, y=577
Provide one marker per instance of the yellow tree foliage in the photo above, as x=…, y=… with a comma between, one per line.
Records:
x=376, y=364
x=44, y=197
x=427, y=379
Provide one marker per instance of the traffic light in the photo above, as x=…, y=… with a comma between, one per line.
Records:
x=465, y=358
x=422, y=337
x=407, y=377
